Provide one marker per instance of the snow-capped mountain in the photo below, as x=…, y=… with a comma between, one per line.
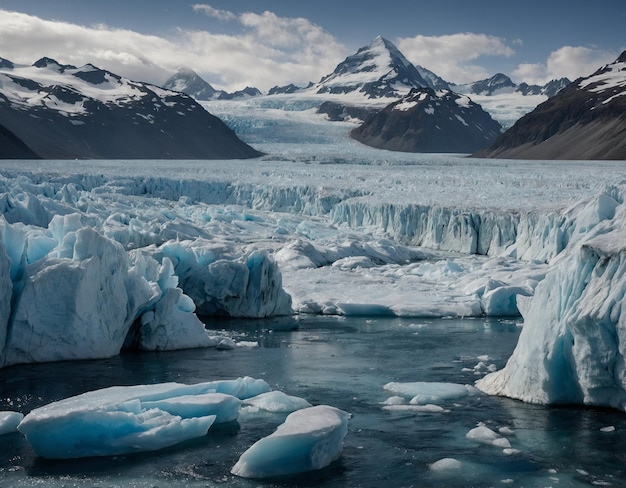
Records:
x=501, y=83
x=284, y=90
x=247, y=92
x=63, y=112
x=585, y=120
x=189, y=82
x=375, y=71
x=497, y=83
x=549, y=89
x=426, y=120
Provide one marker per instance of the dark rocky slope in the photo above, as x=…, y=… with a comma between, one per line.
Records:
x=429, y=121
x=585, y=120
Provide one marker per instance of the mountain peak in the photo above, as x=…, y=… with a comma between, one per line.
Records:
x=376, y=70
x=188, y=81
x=5, y=63
x=46, y=62
x=622, y=58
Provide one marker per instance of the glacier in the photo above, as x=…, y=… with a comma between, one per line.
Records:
x=101, y=257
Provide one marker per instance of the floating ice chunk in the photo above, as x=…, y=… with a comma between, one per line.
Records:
x=609, y=428
x=309, y=439
x=446, y=464
x=277, y=401
x=126, y=419
x=511, y=452
x=506, y=431
x=113, y=421
x=9, y=422
x=427, y=408
x=485, y=435
x=422, y=392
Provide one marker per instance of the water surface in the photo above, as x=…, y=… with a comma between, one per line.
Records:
x=344, y=362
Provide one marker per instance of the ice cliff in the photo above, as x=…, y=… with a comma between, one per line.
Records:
x=70, y=292
x=571, y=349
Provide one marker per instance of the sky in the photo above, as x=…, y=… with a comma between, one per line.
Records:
x=264, y=43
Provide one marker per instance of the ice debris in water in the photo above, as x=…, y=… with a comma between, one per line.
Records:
x=485, y=435
x=446, y=464
x=423, y=393
x=309, y=439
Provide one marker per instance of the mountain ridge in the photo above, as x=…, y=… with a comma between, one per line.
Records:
x=63, y=112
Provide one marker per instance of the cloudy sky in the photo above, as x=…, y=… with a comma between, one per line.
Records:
x=263, y=43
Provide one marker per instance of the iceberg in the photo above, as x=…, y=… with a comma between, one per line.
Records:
x=128, y=419
x=308, y=440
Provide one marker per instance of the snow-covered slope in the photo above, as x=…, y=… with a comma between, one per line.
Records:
x=63, y=112
x=583, y=121
x=426, y=120
x=375, y=71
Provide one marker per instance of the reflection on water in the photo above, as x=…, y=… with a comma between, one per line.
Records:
x=342, y=362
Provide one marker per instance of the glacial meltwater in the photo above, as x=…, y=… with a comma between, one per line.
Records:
x=343, y=362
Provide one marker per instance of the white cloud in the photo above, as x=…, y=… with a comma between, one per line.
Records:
x=568, y=61
x=300, y=52
x=214, y=12
x=451, y=56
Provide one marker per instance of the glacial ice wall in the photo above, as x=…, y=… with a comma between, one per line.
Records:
x=155, y=252
x=527, y=235
x=572, y=347
x=523, y=234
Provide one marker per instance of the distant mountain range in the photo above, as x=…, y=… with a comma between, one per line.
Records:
x=378, y=70
x=55, y=111
x=500, y=83
x=585, y=120
x=374, y=82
